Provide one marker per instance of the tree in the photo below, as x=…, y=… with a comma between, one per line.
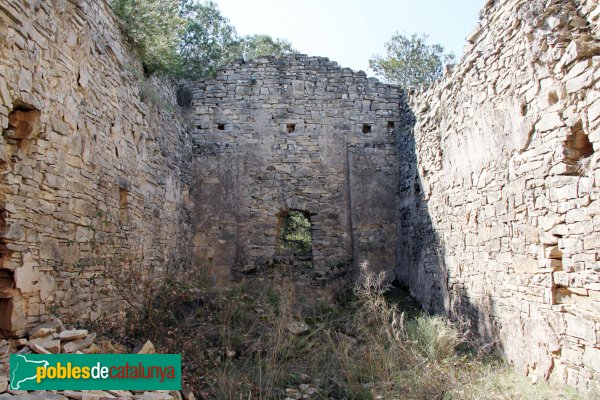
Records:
x=264, y=45
x=189, y=39
x=208, y=41
x=153, y=27
x=410, y=61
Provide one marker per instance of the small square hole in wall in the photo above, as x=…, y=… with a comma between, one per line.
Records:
x=391, y=125
x=366, y=128
x=221, y=127
x=290, y=128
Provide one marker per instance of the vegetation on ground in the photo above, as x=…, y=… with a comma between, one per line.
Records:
x=238, y=343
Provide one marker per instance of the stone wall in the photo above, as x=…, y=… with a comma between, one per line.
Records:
x=505, y=209
x=298, y=133
x=490, y=211
x=92, y=184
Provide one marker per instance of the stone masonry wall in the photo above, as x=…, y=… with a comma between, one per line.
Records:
x=298, y=133
x=505, y=208
x=92, y=184
x=490, y=211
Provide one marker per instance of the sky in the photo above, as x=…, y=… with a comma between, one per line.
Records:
x=352, y=31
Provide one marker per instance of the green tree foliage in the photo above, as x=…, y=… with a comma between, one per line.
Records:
x=264, y=45
x=189, y=39
x=295, y=233
x=410, y=61
x=208, y=41
x=153, y=26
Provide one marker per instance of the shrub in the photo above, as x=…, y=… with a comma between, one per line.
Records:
x=393, y=357
x=153, y=27
x=434, y=337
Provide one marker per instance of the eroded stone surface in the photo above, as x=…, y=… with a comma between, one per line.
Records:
x=491, y=210
x=298, y=133
x=503, y=218
x=91, y=176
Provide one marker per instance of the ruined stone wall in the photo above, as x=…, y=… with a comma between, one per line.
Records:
x=505, y=209
x=490, y=211
x=298, y=133
x=92, y=184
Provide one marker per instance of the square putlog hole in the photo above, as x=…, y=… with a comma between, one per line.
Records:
x=221, y=127
x=290, y=128
x=23, y=123
x=366, y=128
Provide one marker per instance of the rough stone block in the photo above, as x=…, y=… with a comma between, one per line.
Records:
x=523, y=265
x=580, y=82
x=591, y=358
x=549, y=121
x=580, y=328
x=577, y=50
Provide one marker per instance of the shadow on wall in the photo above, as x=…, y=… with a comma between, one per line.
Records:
x=422, y=259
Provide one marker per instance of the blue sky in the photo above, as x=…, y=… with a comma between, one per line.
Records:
x=351, y=31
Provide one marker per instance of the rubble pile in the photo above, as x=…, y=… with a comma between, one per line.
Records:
x=52, y=337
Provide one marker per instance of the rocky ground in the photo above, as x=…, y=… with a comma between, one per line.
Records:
x=54, y=338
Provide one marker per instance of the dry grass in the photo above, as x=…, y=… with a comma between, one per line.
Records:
x=386, y=355
x=236, y=345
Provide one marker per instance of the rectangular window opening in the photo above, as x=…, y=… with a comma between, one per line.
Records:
x=295, y=233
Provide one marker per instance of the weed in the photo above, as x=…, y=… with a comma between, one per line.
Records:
x=237, y=344
x=433, y=337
